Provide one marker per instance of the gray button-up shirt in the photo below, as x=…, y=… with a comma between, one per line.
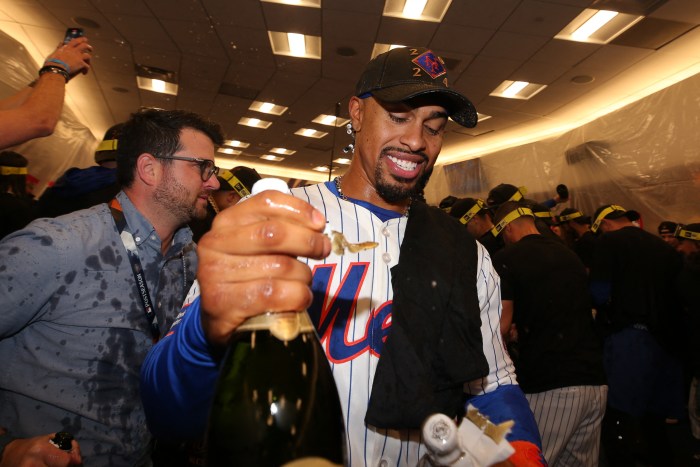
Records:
x=73, y=331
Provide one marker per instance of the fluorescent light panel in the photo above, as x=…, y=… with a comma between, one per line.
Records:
x=342, y=161
x=331, y=120
x=230, y=151
x=295, y=45
x=156, y=85
x=270, y=157
x=267, y=108
x=381, y=48
x=283, y=151
x=254, y=122
x=597, y=26
x=517, y=89
x=420, y=10
x=235, y=143
x=481, y=117
x=310, y=133
x=306, y=3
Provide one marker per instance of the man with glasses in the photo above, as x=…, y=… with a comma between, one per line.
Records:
x=87, y=294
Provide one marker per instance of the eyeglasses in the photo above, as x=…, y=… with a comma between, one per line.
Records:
x=206, y=166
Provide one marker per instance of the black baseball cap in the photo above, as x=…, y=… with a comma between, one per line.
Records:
x=667, y=227
x=239, y=179
x=407, y=72
x=612, y=211
x=107, y=149
x=688, y=232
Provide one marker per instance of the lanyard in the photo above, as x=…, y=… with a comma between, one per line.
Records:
x=132, y=253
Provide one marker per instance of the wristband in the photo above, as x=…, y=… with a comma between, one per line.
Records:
x=60, y=62
x=55, y=69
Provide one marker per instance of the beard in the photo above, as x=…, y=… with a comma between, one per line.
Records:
x=178, y=200
x=404, y=190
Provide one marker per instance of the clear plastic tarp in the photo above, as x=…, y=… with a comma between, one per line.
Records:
x=645, y=156
x=71, y=145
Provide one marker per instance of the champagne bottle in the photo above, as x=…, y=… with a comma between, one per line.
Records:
x=276, y=402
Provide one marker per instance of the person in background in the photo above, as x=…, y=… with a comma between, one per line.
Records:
x=667, y=231
x=34, y=111
x=633, y=279
x=576, y=233
x=234, y=185
x=417, y=315
x=688, y=237
x=473, y=214
x=17, y=207
x=82, y=188
x=88, y=293
x=544, y=288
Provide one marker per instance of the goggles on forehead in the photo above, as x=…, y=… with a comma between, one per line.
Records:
x=107, y=145
x=603, y=213
x=568, y=217
x=235, y=183
x=4, y=170
x=498, y=228
x=473, y=211
x=681, y=232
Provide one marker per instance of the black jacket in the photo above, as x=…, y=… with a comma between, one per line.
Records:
x=435, y=343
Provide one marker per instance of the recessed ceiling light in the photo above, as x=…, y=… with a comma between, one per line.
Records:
x=295, y=45
x=379, y=48
x=331, y=120
x=342, y=161
x=421, y=10
x=284, y=151
x=597, y=26
x=254, y=122
x=321, y=168
x=236, y=144
x=517, y=89
x=310, y=133
x=267, y=108
x=230, y=151
x=270, y=157
x=156, y=79
x=156, y=85
x=582, y=79
x=307, y=3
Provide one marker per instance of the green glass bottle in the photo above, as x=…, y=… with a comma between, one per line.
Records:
x=276, y=402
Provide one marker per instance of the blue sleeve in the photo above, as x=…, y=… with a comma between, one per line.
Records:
x=508, y=402
x=178, y=380
x=549, y=203
x=600, y=291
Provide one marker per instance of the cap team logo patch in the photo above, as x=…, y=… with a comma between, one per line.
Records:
x=431, y=64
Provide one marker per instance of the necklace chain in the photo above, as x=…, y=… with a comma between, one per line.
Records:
x=342, y=196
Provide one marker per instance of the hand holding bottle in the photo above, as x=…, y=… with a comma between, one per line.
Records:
x=248, y=265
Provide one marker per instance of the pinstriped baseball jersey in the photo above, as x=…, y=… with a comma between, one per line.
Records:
x=355, y=289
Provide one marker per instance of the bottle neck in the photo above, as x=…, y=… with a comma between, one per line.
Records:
x=284, y=325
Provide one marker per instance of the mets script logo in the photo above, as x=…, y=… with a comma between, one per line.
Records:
x=332, y=313
x=431, y=64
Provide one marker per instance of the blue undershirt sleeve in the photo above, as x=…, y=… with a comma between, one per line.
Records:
x=178, y=380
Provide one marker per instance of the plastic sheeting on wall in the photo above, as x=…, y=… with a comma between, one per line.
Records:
x=645, y=156
x=71, y=145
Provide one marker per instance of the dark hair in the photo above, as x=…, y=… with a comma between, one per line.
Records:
x=157, y=132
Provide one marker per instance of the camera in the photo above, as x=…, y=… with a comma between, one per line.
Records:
x=72, y=33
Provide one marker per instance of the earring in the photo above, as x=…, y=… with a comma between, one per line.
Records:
x=349, y=129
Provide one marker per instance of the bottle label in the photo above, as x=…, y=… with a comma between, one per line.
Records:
x=310, y=462
x=285, y=326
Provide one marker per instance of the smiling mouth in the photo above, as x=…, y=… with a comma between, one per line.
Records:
x=408, y=166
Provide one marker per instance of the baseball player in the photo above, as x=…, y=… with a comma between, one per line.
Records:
x=544, y=288
x=409, y=320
